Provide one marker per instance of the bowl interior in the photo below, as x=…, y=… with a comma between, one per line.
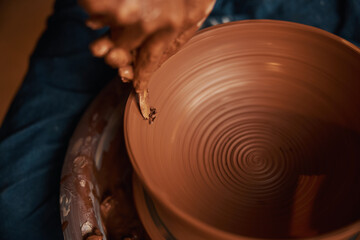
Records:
x=257, y=132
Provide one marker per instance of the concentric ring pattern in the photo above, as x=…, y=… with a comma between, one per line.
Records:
x=257, y=132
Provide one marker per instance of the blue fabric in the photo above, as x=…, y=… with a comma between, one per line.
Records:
x=341, y=17
x=63, y=78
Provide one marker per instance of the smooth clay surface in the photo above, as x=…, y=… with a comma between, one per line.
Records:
x=257, y=135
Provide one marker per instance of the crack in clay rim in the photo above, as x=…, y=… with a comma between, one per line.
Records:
x=157, y=195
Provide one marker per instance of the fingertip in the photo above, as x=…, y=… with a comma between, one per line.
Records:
x=99, y=50
x=101, y=46
x=126, y=73
x=118, y=57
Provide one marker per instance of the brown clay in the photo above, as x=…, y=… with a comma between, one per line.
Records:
x=96, y=195
x=295, y=138
x=257, y=136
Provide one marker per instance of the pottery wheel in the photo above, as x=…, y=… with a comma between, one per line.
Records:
x=256, y=136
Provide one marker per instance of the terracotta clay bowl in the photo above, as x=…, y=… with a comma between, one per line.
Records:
x=257, y=136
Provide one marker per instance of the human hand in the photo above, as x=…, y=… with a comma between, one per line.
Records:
x=143, y=34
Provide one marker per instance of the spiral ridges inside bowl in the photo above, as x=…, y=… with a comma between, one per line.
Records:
x=257, y=132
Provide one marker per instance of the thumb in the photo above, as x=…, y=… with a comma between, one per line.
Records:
x=149, y=56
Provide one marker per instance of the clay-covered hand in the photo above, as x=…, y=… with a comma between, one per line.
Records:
x=143, y=33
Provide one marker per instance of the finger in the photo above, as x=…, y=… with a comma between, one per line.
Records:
x=118, y=57
x=101, y=46
x=126, y=73
x=149, y=56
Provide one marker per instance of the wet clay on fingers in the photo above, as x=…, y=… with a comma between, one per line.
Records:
x=257, y=135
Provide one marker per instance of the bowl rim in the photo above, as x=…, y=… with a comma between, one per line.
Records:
x=156, y=195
